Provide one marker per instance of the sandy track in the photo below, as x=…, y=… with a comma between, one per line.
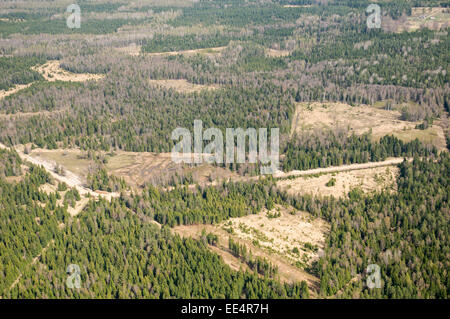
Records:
x=343, y=168
x=17, y=88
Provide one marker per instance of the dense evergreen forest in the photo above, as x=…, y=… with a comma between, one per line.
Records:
x=310, y=152
x=204, y=206
x=406, y=233
x=122, y=255
x=256, y=61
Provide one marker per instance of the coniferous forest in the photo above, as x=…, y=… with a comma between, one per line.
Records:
x=86, y=120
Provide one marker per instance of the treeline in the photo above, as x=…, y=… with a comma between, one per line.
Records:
x=169, y=43
x=119, y=255
x=93, y=118
x=389, y=51
x=329, y=149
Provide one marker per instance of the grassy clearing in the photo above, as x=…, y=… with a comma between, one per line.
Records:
x=72, y=159
x=368, y=180
x=362, y=119
x=277, y=53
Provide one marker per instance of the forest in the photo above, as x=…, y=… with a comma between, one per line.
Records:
x=122, y=255
x=246, y=64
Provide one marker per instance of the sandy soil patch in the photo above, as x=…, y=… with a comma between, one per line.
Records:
x=359, y=119
x=137, y=169
x=71, y=159
x=368, y=180
x=79, y=206
x=433, y=135
x=73, y=211
x=70, y=178
x=135, y=50
x=29, y=114
x=13, y=179
x=428, y=17
x=48, y=188
x=17, y=88
x=52, y=71
x=297, y=6
x=277, y=53
x=281, y=235
x=182, y=86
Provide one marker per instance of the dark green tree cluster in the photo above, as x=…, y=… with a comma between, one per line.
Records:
x=28, y=220
x=120, y=256
x=101, y=180
x=186, y=206
x=10, y=163
x=17, y=70
x=313, y=152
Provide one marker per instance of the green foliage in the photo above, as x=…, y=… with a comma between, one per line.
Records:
x=313, y=152
x=10, y=163
x=183, y=206
x=405, y=233
x=17, y=70
x=331, y=182
x=101, y=180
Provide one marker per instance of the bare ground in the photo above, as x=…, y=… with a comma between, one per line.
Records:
x=206, y=51
x=17, y=88
x=71, y=179
x=277, y=53
x=52, y=71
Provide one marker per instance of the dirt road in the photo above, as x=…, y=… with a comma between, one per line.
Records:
x=343, y=168
x=71, y=179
